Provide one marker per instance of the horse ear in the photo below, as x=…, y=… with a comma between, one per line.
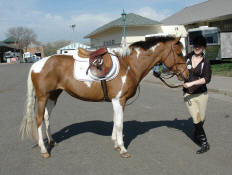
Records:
x=177, y=39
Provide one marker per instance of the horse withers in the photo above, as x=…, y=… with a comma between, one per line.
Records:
x=48, y=77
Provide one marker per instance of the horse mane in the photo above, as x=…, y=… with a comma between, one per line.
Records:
x=145, y=45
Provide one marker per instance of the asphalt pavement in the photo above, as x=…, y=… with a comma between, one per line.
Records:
x=157, y=133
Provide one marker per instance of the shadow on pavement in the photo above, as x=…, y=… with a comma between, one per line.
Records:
x=131, y=129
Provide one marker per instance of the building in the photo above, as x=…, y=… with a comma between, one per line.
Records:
x=71, y=48
x=211, y=13
x=8, y=45
x=35, y=50
x=111, y=34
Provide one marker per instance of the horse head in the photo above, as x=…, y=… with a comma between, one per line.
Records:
x=173, y=58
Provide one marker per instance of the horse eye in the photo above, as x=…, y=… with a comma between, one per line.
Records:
x=179, y=54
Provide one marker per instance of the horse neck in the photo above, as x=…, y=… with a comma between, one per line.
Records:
x=140, y=64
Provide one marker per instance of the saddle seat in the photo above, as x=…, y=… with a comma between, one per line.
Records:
x=100, y=61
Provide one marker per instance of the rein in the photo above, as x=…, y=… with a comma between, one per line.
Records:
x=170, y=86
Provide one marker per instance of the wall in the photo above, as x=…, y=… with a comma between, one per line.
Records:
x=226, y=45
x=113, y=37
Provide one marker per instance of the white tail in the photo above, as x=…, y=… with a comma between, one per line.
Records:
x=28, y=126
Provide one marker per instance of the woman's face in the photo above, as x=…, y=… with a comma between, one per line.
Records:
x=198, y=49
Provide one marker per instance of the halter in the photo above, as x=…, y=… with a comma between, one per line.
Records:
x=173, y=73
x=175, y=63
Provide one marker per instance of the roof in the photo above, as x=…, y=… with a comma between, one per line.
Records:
x=10, y=40
x=131, y=20
x=74, y=46
x=3, y=44
x=210, y=9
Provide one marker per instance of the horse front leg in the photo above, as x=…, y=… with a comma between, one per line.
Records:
x=117, y=134
x=114, y=135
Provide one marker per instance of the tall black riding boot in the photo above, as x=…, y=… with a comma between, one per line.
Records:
x=196, y=133
x=201, y=138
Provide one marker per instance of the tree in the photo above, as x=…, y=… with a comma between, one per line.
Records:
x=23, y=36
x=51, y=48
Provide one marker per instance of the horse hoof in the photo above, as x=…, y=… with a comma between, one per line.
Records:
x=125, y=155
x=53, y=143
x=45, y=155
x=117, y=149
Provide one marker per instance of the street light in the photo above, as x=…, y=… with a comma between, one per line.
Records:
x=124, y=26
x=73, y=29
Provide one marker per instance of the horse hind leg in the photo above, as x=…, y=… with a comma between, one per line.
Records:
x=48, y=110
x=41, y=103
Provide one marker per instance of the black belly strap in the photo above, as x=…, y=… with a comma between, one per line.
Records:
x=105, y=91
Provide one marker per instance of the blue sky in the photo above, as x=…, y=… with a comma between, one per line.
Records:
x=51, y=20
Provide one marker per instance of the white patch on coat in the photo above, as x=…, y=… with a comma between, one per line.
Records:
x=154, y=47
x=138, y=52
x=38, y=66
x=123, y=82
x=88, y=83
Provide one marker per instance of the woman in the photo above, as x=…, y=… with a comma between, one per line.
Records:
x=195, y=90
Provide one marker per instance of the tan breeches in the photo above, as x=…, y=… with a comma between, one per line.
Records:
x=196, y=104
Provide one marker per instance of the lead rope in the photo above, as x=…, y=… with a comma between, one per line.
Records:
x=171, y=86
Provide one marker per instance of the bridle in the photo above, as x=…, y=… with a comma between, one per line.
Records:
x=176, y=70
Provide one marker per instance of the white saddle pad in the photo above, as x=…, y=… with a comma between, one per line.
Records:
x=81, y=65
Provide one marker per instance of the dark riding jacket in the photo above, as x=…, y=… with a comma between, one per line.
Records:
x=203, y=70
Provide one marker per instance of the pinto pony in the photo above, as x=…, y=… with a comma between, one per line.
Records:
x=50, y=76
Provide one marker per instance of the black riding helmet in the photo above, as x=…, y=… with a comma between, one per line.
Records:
x=199, y=41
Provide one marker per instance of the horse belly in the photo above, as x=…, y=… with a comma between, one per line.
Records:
x=83, y=91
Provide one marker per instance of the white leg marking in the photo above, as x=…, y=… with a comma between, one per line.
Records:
x=118, y=124
x=38, y=66
x=41, y=142
x=114, y=134
x=48, y=110
x=118, y=119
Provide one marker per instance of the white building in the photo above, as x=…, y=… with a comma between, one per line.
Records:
x=71, y=48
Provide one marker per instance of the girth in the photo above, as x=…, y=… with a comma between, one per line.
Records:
x=105, y=91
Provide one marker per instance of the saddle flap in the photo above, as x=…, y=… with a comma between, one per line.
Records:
x=83, y=53
x=104, y=68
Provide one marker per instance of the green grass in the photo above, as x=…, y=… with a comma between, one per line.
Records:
x=223, y=68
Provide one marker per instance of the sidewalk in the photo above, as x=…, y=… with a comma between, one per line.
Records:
x=218, y=84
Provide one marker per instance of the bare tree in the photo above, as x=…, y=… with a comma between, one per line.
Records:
x=51, y=48
x=23, y=36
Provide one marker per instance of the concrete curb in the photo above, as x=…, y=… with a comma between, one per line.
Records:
x=218, y=84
